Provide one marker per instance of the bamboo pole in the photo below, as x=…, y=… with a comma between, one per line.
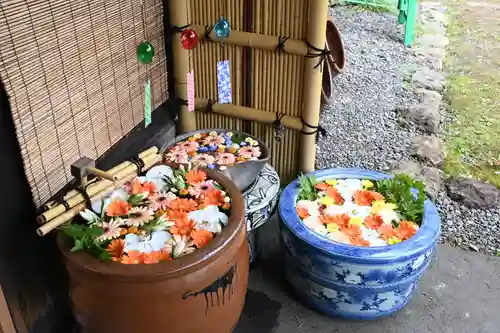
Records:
x=72, y=193
x=68, y=215
x=318, y=12
x=179, y=17
x=243, y=112
x=257, y=41
x=99, y=186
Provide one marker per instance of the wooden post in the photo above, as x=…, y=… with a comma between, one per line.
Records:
x=6, y=323
x=179, y=17
x=316, y=35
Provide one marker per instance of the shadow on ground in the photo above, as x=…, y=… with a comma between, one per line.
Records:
x=459, y=294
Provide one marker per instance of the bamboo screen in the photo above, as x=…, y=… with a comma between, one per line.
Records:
x=74, y=83
x=276, y=80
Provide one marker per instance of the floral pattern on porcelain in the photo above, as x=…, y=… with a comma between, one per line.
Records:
x=348, y=281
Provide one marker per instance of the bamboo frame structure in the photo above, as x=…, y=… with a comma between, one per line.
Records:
x=98, y=187
x=179, y=17
x=78, y=204
x=318, y=14
x=257, y=41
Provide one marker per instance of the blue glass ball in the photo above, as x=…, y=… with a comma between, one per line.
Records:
x=211, y=166
x=203, y=149
x=212, y=148
x=222, y=28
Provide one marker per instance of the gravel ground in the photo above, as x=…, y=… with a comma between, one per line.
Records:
x=362, y=124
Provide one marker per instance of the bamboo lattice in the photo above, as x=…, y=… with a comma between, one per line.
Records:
x=277, y=81
x=74, y=83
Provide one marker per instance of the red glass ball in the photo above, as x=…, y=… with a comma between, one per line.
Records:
x=189, y=39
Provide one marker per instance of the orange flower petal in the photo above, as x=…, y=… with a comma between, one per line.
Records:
x=351, y=230
x=115, y=248
x=118, y=208
x=201, y=237
x=373, y=222
x=322, y=186
x=195, y=176
x=342, y=220
x=362, y=198
x=407, y=229
x=302, y=212
x=335, y=195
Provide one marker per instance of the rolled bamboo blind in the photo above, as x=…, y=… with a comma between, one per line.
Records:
x=74, y=83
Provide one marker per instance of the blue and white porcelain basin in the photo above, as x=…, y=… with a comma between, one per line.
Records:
x=349, y=281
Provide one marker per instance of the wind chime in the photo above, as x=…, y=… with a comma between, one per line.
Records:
x=145, y=54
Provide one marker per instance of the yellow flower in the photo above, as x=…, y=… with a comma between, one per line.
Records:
x=191, y=138
x=380, y=205
x=197, y=136
x=213, y=133
x=229, y=134
x=393, y=240
x=327, y=201
x=332, y=227
x=248, y=140
x=366, y=184
x=221, y=148
x=356, y=220
x=254, y=143
x=331, y=182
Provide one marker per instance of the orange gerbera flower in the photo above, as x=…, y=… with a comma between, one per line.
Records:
x=363, y=198
x=373, y=222
x=407, y=229
x=201, y=237
x=376, y=195
x=182, y=227
x=302, y=212
x=115, y=248
x=322, y=186
x=118, y=208
x=186, y=205
x=195, y=176
x=156, y=256
x=212, y=197
x=351, y=230
x=341, y=220
x=147, y=186
x=133, y=257
x=387, y=232
x=175, y=215
x=335, y=195
x=359, y=241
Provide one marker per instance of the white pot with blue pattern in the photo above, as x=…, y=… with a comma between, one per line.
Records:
x=349, y=281
x=260, y=204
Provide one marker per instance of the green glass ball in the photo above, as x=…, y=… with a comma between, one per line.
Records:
x=145, y=52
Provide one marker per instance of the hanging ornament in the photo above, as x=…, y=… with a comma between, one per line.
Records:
x=145, y=52
x=222, y=28
x=189, y=39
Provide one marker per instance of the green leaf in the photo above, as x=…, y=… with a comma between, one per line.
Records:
x=78, y=246
x=74, y=231
x=94, y=231
x=136, y=199
x=105, y=256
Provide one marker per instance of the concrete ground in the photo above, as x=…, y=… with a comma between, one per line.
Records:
x=460, y=293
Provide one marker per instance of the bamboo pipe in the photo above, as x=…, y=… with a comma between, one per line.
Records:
x=249, y=114
x=72, y=193
x=98, y=187
x=318, y=13
x=259, y=41
x=101, y=173
x=66, y=216
x=179, y=17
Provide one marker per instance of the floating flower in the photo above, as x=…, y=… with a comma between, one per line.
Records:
x=90, y=216
x=388, y=232
x=115, y=248
x=248, y=152
x=367, y=184
x=203, y=159
x=363, y=198
x=201, y=188
x=359, y=241
x=314, y=223
x=177, y=157
x=185, y=205
x=99, y=206
x=118, y=208
x=341, y=220
x=339, y=237
x=181, y=245
x=209, y=218
x=333, y=193
x=406, y=229
x=302, y=212
x=112, y=229
x=188, y=146
x=156, y=256
x=311, y=207
x=212, y=197
x=146, y=187
x=213, y=140
x=132, y=258
x=182, y=227
x=146, y=244
x=201, y=237
x=195, y=176
x=351, y=230
x=161, y=200
x=138, y=216
x=225, y=158
x=373, y=222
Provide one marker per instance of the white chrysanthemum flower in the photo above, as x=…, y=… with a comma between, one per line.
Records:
x=311, y=207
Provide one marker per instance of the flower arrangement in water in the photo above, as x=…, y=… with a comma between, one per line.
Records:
x=362, y=212
x=162, y=216
x=214, y=150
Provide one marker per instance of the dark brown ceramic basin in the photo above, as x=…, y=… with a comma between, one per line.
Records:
x=201, y=292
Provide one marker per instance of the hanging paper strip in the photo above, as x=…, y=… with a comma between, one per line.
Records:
x=147, y=103
x=224, y=82
x=190, y=90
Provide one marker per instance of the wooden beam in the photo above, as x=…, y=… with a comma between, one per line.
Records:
x=247, y=113
x=258, y=41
